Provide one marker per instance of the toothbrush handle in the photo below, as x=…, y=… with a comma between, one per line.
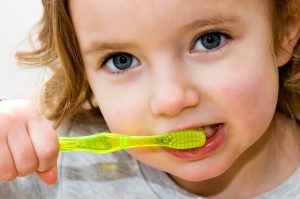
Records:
x=107, y=142
x=97, y=143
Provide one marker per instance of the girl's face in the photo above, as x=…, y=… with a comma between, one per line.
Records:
x=158, y=66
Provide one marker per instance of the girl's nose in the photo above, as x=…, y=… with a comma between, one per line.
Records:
x=172, y=95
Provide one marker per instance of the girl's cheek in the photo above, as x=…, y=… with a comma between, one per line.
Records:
x=125, y=117
x=250, y=100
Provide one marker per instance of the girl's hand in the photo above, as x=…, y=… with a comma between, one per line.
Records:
x=28, y=143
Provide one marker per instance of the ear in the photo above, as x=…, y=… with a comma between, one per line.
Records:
x=289, y=41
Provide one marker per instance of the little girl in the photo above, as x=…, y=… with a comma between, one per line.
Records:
x=149, y=67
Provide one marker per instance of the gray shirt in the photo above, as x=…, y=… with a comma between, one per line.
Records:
x=114, y=176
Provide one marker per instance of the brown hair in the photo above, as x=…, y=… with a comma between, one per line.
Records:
x=67, y=94
x=289, y=74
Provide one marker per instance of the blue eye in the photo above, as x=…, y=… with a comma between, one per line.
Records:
x=120, y=62
x=209, y=41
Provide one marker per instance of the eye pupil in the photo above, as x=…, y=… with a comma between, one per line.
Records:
x=211, y=40
x=122, y=61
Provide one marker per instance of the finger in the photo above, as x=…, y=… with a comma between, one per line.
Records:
x=44, y=141
x=8, y=171
x=49, y=177
x=22, y=150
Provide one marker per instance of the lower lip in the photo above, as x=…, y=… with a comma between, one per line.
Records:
x=210, y=146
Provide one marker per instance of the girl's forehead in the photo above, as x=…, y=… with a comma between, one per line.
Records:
x=105, y=17
x=158, y=8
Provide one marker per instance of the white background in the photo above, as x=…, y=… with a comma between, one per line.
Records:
x=16, y=19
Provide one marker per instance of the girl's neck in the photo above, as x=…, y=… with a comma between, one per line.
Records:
x=261, y=168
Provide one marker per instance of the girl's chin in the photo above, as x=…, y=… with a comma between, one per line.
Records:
x=197, y=172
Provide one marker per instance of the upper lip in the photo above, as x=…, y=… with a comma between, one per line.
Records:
x=193, y=126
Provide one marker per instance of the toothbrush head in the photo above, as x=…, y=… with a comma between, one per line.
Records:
x=183, y=139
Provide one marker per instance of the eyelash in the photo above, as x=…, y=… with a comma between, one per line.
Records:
x=105, y=60
x=223, y=33
x=109, y=56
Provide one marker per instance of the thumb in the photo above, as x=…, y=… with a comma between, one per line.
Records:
x=49, y=177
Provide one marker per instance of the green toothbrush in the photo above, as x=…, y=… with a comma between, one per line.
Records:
x=109, y=142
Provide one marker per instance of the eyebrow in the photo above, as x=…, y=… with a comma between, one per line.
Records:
x=216, y=20
x=94, y=47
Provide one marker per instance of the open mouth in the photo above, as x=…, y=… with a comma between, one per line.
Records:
x=210, y=130
x=214, y=136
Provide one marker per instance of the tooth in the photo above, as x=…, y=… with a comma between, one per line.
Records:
x=210, y=130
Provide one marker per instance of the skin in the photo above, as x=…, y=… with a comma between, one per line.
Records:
x=28, y=142
x=175, y=86
x=180, y=86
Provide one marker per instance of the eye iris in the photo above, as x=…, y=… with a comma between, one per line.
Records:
x=211, y=40
x=122, y=61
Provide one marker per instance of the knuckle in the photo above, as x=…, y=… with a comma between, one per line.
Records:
x=8, y=175
x=8, y=120
x=24, y=107
x=32, y=111
x=16, y=112
x=50, y=153
x=27, y=168
x=35, y=114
